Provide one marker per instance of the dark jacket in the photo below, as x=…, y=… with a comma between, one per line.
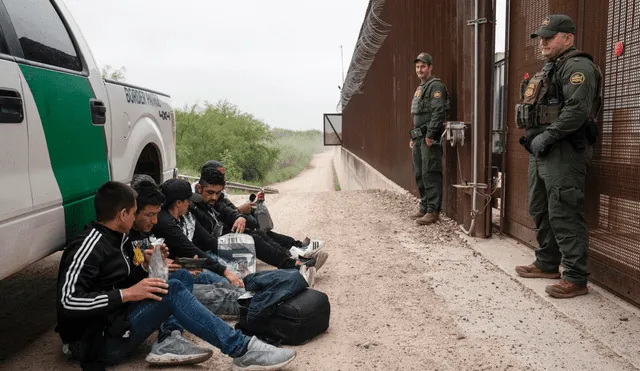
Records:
x=225, y=202
x=94, y=267
x=186, y=238
x=209, y=216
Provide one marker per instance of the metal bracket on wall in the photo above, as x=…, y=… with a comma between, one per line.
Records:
x=478, y=21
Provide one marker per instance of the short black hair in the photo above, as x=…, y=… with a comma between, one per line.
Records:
x=148, y=193
x=211, y=176
x=175, y=190
x=112, y=197
x=211, y=164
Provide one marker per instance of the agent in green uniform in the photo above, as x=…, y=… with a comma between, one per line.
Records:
x=428, y=107
x=558, y=111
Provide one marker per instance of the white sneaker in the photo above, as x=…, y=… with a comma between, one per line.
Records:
x=263, y=356
x=176, y=350
x=314, y=248
x=309, y=274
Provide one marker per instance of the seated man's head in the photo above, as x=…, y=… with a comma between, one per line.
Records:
x=211, y=185
x=115, y=205
x=178, y=196
x=149, y=202
x=214, y=164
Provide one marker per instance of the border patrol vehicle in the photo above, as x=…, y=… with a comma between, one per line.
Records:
x=64, y=131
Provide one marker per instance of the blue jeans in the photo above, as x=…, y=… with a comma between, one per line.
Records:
x=146, y=316
x=207, y=277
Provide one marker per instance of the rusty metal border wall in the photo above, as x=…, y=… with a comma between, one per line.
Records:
x=377, y=120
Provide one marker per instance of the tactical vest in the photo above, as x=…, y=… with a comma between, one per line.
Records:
x=421, y=104
x=542, y=97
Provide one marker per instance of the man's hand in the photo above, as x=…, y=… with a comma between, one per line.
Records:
x=235, y=281
x=246, y=207
x=173, y=266
x=239, y=225
x=148, y=252
x=145, y=289
x=411, y=143
x=538, y=145
x=428, y=141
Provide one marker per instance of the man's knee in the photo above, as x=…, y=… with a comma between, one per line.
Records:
x=181, y=277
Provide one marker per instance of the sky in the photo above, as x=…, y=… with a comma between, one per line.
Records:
x=278, y=60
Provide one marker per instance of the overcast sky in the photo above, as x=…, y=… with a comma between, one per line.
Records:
x=278, y=59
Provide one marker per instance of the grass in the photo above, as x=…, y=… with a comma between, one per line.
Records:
x=336, y=182
x=296, y=151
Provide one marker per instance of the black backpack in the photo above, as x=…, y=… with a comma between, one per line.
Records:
x=295, y=321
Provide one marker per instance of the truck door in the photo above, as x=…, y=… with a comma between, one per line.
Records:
x=15, y=185
x=60, y=103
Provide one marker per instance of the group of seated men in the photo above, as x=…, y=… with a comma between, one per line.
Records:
x=107, y=305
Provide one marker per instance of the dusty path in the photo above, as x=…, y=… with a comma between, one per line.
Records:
x=317, y=177
x=403, y=298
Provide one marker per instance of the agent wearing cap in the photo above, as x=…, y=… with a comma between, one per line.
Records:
x=428, y=107
x=565, y=99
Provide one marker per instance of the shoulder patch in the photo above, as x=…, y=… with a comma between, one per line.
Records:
x=418, y=92
x=437, y=94
x=577, y=78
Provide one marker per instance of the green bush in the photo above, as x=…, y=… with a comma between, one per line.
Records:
x=251, y=151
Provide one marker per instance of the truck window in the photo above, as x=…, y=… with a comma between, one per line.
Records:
x=42, y=34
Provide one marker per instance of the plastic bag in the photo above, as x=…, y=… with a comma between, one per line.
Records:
x=238, y=252
x=263, y=216
x=158, y=267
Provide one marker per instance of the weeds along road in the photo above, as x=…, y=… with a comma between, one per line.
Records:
x=402, y=297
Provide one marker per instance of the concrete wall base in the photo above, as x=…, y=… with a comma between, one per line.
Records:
x=355, y=174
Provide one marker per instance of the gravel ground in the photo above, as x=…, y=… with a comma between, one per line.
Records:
x=403, y=297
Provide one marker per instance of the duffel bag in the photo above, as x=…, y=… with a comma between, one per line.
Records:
x=294, y=322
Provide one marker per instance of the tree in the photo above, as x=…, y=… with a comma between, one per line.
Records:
x=115, y=75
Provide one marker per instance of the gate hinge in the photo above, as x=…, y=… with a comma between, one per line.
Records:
x=478, y=21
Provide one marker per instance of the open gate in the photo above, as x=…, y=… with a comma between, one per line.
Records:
x=613, y=191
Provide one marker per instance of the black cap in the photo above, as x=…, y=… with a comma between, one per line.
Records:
x=175, y=190
x=553, y=24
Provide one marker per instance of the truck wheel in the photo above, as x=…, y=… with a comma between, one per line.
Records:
x=149, y=164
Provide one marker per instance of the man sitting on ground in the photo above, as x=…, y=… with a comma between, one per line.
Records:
x=217, y=218
x=184, y=235
x=247, y=210
x=106, y=307
x=295, y=249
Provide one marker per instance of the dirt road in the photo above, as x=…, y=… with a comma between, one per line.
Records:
x=317, y=177
x=403, y=298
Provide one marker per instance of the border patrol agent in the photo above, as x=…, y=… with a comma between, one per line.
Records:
x=558, y=111
x=429, y=106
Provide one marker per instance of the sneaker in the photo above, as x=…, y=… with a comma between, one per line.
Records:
x=309, y=274
x=176, y=350
x=263, y=356
x=314, y=247
x=317, y=261
x=306, y=242
x=296, y=252
x=321, y=258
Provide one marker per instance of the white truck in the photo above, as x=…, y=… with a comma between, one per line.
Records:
x=64, y=131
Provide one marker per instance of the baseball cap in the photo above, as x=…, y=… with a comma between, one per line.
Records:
x=553, y=24
x=175, y=190
x=423, y=57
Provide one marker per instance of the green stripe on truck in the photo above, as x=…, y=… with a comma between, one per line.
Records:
x=77, y=148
